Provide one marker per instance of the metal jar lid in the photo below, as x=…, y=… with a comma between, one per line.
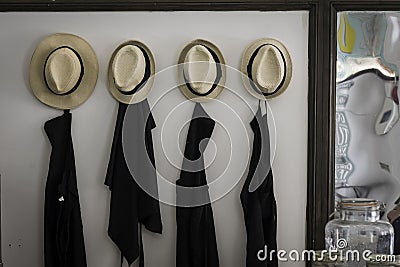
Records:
x=362, y=204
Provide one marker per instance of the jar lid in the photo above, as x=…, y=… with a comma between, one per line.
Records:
x=383, y=260
x=360, y=204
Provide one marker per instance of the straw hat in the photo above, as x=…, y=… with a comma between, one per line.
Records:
x=201, y=71
x=131, y=72
x=267, y=68
x=63, y=71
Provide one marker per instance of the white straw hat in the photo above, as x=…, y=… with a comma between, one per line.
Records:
x=131, y=72
x=267, y=68
x=63, y=71
x=201, y=71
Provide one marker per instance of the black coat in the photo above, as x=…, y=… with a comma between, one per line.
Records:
x=258, y=200
x=396, y=228
x=63, y=232
x=196, y=240
x=130, y=206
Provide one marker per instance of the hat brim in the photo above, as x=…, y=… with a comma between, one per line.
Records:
x=144, y=90
x=183, y=86
x=247, y=55
x=89, y=78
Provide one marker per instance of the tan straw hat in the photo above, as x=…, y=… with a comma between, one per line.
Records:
x=201, y=71
x=63, y=71
x=131, y=72
x=267, y=68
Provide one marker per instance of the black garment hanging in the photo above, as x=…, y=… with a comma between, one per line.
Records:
x=394, y=219
x=196, y=240
x=258, y=200
x=63, y=231
x=396, y=229
x=130, y=205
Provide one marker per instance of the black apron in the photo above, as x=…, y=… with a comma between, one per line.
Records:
x=130, y=206
x=63, y=232
x=258, y=200
x=196, y=240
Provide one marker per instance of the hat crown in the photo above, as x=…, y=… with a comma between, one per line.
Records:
x=128, y=67
x=268, y=68
x=62, y=70
x=200, y=69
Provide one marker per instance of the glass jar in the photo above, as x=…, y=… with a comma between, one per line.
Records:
x=359, y=232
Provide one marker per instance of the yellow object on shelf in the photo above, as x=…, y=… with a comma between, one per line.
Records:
x=346, y=35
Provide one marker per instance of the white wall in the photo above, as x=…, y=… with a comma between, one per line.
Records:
x=25, y=150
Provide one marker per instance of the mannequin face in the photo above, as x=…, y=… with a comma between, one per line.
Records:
x=373, y=157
